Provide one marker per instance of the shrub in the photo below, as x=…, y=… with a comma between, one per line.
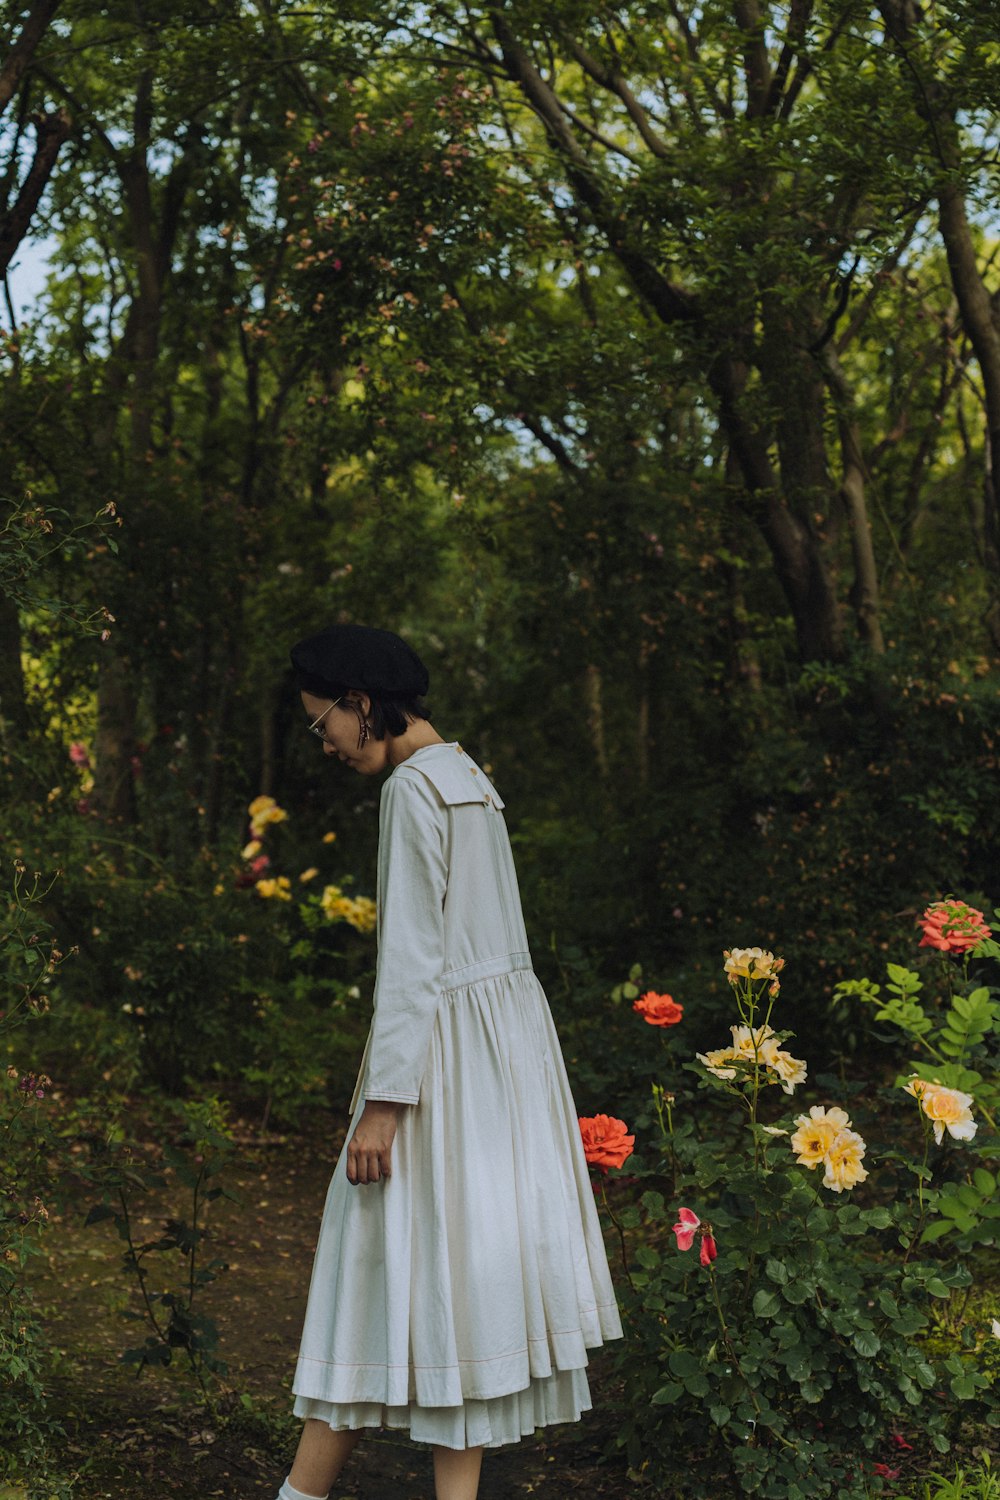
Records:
x=797, y=1336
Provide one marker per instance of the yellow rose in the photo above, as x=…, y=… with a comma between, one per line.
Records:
x=816, y=1133
x=791, y=1070
x=328, y=838
x=266, y=815
x=716, y=1061
x=363, y=914
x=278, y=889
x=309, y=874
x=843, y=1162
x=751, y=963
x=949, y=1109
x=251, y=850
x=753, y=1044
x=259, y=805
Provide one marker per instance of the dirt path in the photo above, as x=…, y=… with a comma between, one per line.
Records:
x=130, y=1439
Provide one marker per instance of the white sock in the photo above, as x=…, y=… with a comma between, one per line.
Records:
x=289, y=1492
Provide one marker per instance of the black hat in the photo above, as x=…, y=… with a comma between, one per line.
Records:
x=357, y=656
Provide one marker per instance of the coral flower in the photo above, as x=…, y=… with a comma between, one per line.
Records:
x=708, y=1251
x=78, y=754
x=952, y=927
x=606, y=1141
x=816, y=1133
x=843, y=1162
x=949, y=1109
x=658, y=1010
x=687, y=1226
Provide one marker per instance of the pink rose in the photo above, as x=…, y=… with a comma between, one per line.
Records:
x=688, y=1223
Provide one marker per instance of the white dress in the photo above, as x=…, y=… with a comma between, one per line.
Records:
x=459, y=1297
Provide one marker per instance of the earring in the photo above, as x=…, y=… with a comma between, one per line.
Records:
x=364, y=730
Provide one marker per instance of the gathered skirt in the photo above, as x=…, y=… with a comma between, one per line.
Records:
x=458, y=1298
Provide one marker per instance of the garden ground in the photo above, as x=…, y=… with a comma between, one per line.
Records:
x=150, y=1436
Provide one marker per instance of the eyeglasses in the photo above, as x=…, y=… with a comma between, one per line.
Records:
x=316, y=727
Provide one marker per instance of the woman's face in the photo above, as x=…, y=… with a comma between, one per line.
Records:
x=339, y=728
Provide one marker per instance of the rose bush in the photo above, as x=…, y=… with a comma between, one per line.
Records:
x=799, y=1336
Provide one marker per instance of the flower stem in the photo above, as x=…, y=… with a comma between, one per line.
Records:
x=621, y=1234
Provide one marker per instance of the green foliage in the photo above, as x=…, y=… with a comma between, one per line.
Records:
x=957, y=1029
x=981, y=1483
x=807, y=1340
x=168, y=1315
x=29, y=958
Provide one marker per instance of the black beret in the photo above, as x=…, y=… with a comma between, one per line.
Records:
x=357, y=656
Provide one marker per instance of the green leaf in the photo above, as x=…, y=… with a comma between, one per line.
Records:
x=667, y=1394
x=777, y=1271
x=937, y=1288
x=867, y=1343
x=909, y=1322
x=98, y=1214
x=986, y=1183
x=766, y=1304
x=936, y=1231
x=963, y=1386
x=720, y=1415
x=877, y=1218
x=683, y=1363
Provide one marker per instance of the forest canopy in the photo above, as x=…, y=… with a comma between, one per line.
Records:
x=641, y=364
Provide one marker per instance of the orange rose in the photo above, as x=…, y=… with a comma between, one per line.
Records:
x=952, y=927
x=606, y=1141
x=658, y=1010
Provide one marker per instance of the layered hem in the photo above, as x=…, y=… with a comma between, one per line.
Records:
x=560, y=1397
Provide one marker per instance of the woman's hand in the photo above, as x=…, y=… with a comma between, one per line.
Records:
x=369, y=1151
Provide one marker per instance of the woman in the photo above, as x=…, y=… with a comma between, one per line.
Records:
x=460, y=1274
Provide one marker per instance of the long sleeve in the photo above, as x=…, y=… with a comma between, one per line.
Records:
x=412, y=881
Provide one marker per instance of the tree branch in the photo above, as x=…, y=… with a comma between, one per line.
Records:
x=616, y=84
x=23, y=50
x=52, y=130
x=671, y=302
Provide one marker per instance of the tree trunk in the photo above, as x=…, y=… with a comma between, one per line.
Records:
x=593, y=695
x=980, y=317
x=114, y=789
x=13, y=704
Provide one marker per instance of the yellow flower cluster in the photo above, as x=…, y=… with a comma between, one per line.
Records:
x=753, y=964
x=279, y=889
x=949, y=1109
x=758, y=1045
x=359, y=911
x=264, y=810
x=824, y=1137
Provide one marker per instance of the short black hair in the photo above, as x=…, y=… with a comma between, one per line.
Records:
x=391, y=713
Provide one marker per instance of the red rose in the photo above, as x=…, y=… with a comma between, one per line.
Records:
x=606, y=1141
x=658, y=1010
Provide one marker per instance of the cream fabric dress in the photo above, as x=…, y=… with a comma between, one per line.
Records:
x=458, y=1298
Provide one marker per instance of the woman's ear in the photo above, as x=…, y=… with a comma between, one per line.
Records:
x=360, y=701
